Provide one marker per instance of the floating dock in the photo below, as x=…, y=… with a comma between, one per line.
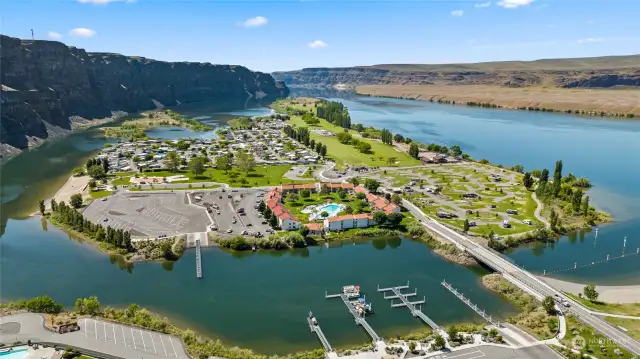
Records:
x=315, y=328
x=198, y=260
x=466, y=301
x=405, y=302
x=360, y=320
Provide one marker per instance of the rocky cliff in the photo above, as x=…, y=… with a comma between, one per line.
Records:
x=605, y=72
x=46, y=86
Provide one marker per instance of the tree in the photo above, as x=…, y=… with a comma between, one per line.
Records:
x=394, y=219
x=96, y=172
x=304, y=231
x=43, y=304
x=245, y=161
x=318, y=147
x=171, y=161
x=590, y=292
x=41, y=205
x=342, y=194
x=412, y=346
x=380, y=218
x=455, y=150
x=398, y=138
x=386, y=137
x=544, y=175
x=273, y=222
x=223, y=163
x=364, y=147
x=414, y=151
x=371, y=185
x=267, y=213
x=438, y=342
x=553, y=219
x=348, y=209
x=585, y=206
x=396, y=199
x=527, y=180
x=466, y=225
x=323, y=152
x=76, y=200
x=292, y=197
x=361, y=195
x=105, y=165
x=196, y=165
x=54, y=205
x=344, y=137
x=518, y=168
x=452, y=332
x=324, y=214
x=576, y=200
x=262, y=206
x=391, y=160
x=549, y=305
x=305, y=193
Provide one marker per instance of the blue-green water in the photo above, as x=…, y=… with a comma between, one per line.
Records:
x=604, y=150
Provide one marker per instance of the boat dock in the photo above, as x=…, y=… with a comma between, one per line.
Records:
x=466, y=301
x=360, y=320
x=315, y=328
x=198, y=260
x=405, y=302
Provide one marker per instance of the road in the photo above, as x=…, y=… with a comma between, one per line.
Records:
x=524, y=279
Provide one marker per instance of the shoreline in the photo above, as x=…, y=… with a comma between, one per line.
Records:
x=618, y=294
x=444, y=95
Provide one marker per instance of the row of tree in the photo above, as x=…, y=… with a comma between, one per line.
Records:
x=268, y=214
x=386, y=137
x=302, y=135
x=334, y=112
x=68, y=216
x=414, y=150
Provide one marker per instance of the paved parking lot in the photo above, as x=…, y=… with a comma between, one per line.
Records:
x=228, y=204
x=148, y=214
x=496, y=352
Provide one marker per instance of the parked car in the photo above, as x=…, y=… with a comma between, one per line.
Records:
x=229, y=230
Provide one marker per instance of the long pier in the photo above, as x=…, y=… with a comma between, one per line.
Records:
x=315, y=328
x=405, y=302
x=358, y=319
x=466, y=301
x=198, y=260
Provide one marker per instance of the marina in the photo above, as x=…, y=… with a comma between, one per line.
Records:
x=198, y=260
x=315, y=328
x=405, y=302
x=358, y=309
x=466, y=301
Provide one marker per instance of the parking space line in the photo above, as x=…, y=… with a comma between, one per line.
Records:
x=95, y=327
x=174, y=348
x=143, y=344
x=152, y=343
x=162, y=342
x=124, y=339
x=133, y=337
x=104, y=328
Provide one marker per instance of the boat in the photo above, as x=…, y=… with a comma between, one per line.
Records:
x=351, y=291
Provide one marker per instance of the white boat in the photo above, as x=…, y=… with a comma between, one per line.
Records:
x=351, y=290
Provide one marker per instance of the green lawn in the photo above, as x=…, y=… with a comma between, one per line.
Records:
x=598, y=346
x=260, y=176
x=347, y=154
x=317, y=198
x=100, y=194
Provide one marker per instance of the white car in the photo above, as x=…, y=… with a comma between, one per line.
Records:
x=229, y=230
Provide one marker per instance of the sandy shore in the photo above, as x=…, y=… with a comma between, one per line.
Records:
x=74, y=185
x=609, y=294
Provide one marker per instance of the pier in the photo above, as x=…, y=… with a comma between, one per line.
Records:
x=405, y=302
x=466, y=301
x=361, y=321
x=315, y=328
x=198, y=260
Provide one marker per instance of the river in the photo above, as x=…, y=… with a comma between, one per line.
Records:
x=259, y=300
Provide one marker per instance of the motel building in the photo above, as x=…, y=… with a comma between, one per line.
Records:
x=349, y=221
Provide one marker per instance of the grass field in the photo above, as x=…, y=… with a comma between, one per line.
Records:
x=99, y=194
x=347, y=154
x=597, y=345
x=260, y=176
x=317, y=198
x=624, y=309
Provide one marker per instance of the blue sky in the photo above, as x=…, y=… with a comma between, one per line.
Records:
x=287, y=35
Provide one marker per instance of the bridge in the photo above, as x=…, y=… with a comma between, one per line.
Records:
x=405, y=302
x=522, y=278
x=466, y=301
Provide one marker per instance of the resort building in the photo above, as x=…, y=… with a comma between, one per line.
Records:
x=315, y=229
x=296, y=188
x=286, y=220
x=349, y=221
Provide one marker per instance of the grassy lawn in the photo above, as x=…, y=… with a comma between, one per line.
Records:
x=260, y=176
x=597, y=345
x=317, y=198
x=624, y=309
x=99, y=194
x=121, y=181
x=347, y=154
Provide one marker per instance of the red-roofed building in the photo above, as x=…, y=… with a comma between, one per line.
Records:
x=391, y=208
x=348, y=221
x=359, y=189
x=315, y=229
x=287, y=221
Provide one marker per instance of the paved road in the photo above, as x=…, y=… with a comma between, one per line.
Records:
x=95, y=335
x=498, y=352
x=524, y=279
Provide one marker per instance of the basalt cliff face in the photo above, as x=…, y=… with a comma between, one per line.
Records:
x=602, y=72
x=48, y=86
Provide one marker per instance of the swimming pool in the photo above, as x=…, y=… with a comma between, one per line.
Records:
x=14, y=354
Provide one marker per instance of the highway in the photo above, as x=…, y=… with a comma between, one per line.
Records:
x=523, y=278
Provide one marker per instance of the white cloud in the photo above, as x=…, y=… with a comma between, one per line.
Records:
x=457, y=13
x=512, y=4
x=255, y=21
x=590, y=39
x=484, y=4
x=103, y=2
x=317, y=43
x=54, y=35
x=82, y=32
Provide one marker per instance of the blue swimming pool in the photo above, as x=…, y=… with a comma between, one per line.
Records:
x=14, y=354
x=332, y=208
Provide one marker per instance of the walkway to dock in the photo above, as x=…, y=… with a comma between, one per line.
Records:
x=358, y=319
x=198, y=260
x=405, y=302
x=466, y=301
x=315, y=328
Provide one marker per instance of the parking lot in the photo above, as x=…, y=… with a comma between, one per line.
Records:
x=226, y=206
x=148, y=214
